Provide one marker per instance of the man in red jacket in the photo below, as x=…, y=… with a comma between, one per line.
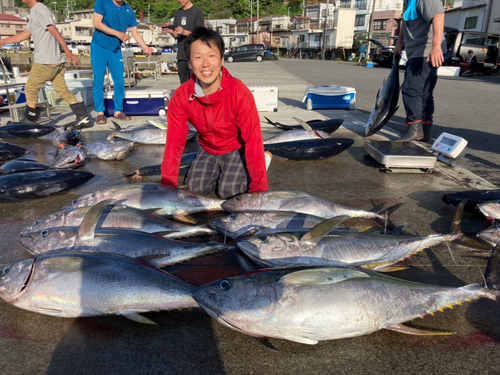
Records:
x=223, y=110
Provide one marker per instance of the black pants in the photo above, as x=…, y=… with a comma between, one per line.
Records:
x=184, y=72
x=418, y=88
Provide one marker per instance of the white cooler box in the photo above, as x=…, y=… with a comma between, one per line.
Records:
x=143, y=103
x=449, y=71
x=82, y=89
x=266, y=98
x=330, y=97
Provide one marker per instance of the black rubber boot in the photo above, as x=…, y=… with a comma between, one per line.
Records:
x=83, y=120
x=31, y=115
x=426, y=126
x=413, y=133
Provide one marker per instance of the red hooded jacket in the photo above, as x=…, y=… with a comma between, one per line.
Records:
x=226, y=120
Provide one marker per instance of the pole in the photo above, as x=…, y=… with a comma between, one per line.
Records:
x=251, y=16
x=324, y=30
x=258, y=40
x=370, y=29
x=303, y=8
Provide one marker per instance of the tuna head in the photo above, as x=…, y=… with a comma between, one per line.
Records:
x=239, y=302
x=48, y=239
x=123, y=149
x=69, y=157
x=271, y=247
x=237, y=224
x=243, y=203
x=490, y=209
x=14, y=279
x=85, y=201
x=491, y=235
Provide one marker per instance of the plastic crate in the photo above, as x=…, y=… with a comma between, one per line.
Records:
x=82, y=89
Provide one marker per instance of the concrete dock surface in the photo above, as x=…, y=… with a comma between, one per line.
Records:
x=190, y=342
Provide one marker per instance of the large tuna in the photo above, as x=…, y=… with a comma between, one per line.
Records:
x=78, y=284
x=310, y=149
x=155, y=170
x=386, y=103
x=328, y=126
x=297, y=201
x=25, y=131
x=163, y=200
x=308, y=306
x=110, y=150
x=69, y=157
x=473, y=198
x=9, y=151
x=39, y=184
x=20, y=165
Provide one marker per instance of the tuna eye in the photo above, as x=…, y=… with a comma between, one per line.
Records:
x=37, y=222
x=232, y=217
x=225, y=284
x=264, y=238
x=45, y=233
x=236, y=199
x=6, y=270
x=74, y=202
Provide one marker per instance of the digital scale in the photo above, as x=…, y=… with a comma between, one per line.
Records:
x=410, y=156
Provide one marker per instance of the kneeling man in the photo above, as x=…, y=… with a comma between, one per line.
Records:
x=223, y=110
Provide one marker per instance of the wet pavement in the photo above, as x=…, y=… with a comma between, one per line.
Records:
x=190, y=342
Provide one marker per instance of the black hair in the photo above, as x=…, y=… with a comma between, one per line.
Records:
x=471, y=51
x=209, y=37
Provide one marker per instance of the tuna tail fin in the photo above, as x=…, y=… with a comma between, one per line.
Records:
x=117, y=127
x=383, y=216
x=269, y=121
x=456, y=233
x=492, y=273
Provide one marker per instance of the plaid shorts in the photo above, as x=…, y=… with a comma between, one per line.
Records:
x=228, y=173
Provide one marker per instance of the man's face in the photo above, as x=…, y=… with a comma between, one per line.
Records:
x=182, y=3
x=206, y=63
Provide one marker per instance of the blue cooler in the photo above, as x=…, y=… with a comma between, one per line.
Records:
x=139, y=103
x=330, y=97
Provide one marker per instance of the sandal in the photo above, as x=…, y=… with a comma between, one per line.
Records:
x=101, y=119
x=122, y=116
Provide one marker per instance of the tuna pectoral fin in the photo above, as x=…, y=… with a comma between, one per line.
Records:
x=178, y=217
x=384, y=215
x=322, y=229
x=322, y=276
x=269, y=121
x=389, y=268
x=266, y=344
x=304, y=124
x=166, y=233
x=117, y=127
x=89, y=223
x=139, y=318
x=413, y=331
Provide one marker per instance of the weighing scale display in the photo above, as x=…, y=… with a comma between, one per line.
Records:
x=449, y=145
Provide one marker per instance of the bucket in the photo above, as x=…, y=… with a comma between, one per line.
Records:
x=369, y=64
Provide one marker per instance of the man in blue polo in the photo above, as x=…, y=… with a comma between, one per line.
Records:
x=112, y=18
x=362, y=54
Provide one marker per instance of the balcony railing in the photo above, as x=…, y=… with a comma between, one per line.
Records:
x=473, y=3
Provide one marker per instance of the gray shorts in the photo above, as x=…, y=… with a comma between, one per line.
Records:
x=362, y=56
x=227, y=173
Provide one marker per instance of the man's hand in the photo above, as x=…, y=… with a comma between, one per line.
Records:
x=122, y=36
x=436, y=56
x=72, y=58
x=170, y=31
x=148, y=51
x=179, y=30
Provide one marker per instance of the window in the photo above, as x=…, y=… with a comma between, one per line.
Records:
x=360, y=4
x=475, y=39
x=345, y=3
x=300, y=38
x=277, y=40
x=360, y=20
x=379, y=24
x=323, y=13
x=317, y=37
x=471, y=22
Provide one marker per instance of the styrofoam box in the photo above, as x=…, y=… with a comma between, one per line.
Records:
x=78, y=74
x=82, y=89
x=144, y=102
x=266, y=98
x=330, y=97
x=449, y=71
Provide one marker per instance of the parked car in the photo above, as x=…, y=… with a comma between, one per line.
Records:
x=249, y=52
x=384, y=55
x=12, y=47
x=484, y=46
x=135, y=48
